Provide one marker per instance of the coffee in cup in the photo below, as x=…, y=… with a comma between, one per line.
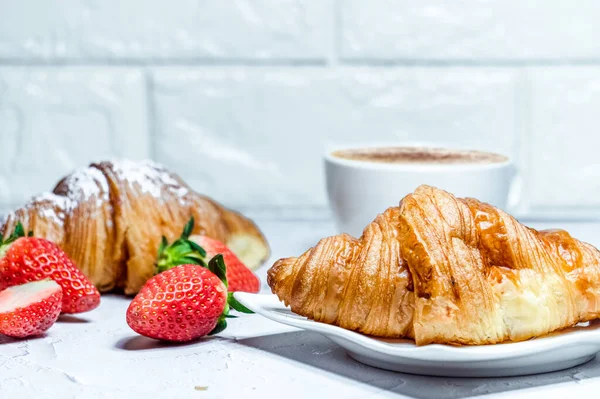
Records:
x=364, y=181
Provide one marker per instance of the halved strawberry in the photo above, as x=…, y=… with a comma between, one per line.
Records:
x=184, y=303
x=24, y=259
x=29, y=309
x=201, y=248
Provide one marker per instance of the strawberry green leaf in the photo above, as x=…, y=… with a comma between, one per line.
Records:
x=221, y=325
x=163, y=245
x=237, y=305
x=187, y=229
x=217, y=266
x=183, y=261
x=180, y=248
x=19, y=231
x=181, y=252
x=192, y=260
x=197, y=248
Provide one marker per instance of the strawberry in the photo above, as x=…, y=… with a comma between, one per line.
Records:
x=29, y=309
x=201, y=248
x=24, y=259
x=183, y=303
x=240, y=277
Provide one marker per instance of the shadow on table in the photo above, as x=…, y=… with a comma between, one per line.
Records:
x=67, y=318
x=9, y=340
x=317, y=351
x=140, y=343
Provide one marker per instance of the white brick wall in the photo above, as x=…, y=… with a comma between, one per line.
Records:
x=565, y=127
x=155, y=30
x=469, y=30
x=55, y=119
x=242, y=97
x=257, y=135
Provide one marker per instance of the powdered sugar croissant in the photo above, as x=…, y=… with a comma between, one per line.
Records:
x=110, y=217
x=441, y=269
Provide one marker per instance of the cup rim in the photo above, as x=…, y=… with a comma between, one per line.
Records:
x=329, y=157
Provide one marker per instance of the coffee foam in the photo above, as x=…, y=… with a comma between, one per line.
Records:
x=403, y=155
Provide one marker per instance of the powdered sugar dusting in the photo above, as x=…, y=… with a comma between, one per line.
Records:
x=58, y=201
x=50, y=206
x=150, y=177
x=85, y=186
x=89, y=181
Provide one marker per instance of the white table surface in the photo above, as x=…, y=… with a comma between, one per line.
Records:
x=96, y=355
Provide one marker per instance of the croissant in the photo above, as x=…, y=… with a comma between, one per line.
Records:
x=439, y=269
x=110, y=217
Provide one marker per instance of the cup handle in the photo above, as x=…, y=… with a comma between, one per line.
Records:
x=514, y=192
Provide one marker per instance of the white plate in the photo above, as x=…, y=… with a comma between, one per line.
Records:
x=557, y=351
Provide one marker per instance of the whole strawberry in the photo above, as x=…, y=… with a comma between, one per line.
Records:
x=183, y=303
x=200, y=248
x=239, y=276
x=29, y=309
x=24, y=259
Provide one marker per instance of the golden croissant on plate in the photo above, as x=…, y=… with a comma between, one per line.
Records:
x=110, y=218
x=441, y=269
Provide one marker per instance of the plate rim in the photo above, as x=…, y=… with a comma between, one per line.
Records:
x=267, y=304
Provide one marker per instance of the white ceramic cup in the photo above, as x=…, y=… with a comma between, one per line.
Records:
x=360, y=190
